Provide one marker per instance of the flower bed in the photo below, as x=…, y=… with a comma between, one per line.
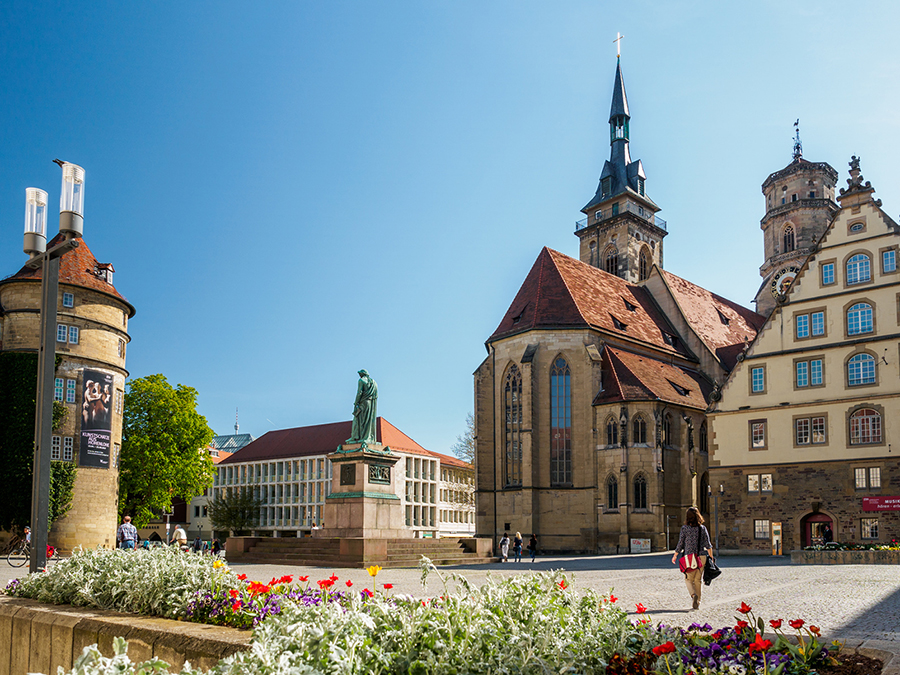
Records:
x=524, y=624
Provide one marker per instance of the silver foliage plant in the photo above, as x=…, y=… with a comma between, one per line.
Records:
x=158, y=582
x=524, y=624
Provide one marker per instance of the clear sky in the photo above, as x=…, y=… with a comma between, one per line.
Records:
x=292, y=191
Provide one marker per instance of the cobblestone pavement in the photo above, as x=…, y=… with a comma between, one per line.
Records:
x=848, y=602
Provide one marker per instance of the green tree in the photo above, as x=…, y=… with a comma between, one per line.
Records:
x=163, y=441
x=235, y=510
x=18, y=388
x=464, y=448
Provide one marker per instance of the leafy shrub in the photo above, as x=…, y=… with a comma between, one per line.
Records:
x=160, y=581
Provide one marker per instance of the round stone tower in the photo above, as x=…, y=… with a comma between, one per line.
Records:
x=92, y=336
x=799, y=206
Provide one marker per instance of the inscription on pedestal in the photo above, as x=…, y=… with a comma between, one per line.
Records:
x=348, y=474
x=379, y=473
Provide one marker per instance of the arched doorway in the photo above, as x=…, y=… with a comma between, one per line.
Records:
x=813, y=528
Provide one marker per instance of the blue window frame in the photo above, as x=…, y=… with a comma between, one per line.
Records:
x=861, y=370
x=889, y=261
x=827, y=274
x=859, y=319
x=859, y=269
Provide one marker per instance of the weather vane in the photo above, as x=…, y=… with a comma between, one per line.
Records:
x=798, y=147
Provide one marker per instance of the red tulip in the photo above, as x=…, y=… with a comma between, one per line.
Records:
x=303, y=579
x=815, y=630
x=388, y=587
x=368, y=593
x=759, y=644
x=234, y=592
x=640, y=608
x=612, y=598
x=775, y=623
x=666, y=648
x=797, y=624
x=741, y=625
x=744, y=608
x=563, y=585
x=236, y=606
x=349, y=583
x=241, y=577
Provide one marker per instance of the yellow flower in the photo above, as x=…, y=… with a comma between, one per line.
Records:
x=373, y=570
x=218, y=563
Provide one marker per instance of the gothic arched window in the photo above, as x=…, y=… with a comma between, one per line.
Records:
x=704, y=438
x=788, y=237
x=593, y=249
x=859, y=269
x=612, y=431
x=667, y=430
x=560, y=423
x=640, y=492
x=612, y=493
x=704, y=493
x=643, y=264
x=638, y=430
x=865, y=427
x=512, y=404
x=611, y=260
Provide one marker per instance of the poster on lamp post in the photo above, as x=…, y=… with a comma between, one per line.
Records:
x=96, y=420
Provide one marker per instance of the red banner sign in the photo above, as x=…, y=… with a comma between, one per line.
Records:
x=881, y=503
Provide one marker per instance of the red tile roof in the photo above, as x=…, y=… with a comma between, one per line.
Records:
x=321, y=439
x=721, y=324
x=562, y=292
x=77, y=268
x=631, y=377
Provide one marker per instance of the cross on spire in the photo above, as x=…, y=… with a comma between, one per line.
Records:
x=618, y=42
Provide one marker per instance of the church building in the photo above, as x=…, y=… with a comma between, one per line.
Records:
x=590, y=408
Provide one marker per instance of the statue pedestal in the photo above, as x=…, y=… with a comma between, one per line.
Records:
x=365, y=494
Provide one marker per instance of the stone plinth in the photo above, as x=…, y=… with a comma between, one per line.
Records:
x=365, y=494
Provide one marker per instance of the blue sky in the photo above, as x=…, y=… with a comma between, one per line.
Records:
x=292, y=191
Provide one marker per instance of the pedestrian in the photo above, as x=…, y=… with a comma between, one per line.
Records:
x=127, y=535
x=504, y=547
x=693, y=540
x=827, y=534
x=179, y=537
x=198, y=544
x=517, y=546
x=532, y=546
x=216, y=547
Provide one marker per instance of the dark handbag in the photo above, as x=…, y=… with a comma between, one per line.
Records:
x=710, y=571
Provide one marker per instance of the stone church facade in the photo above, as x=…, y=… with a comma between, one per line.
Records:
x=92, y=333
x=590, y=407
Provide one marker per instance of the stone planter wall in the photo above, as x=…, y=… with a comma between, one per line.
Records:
x=845, y=557
x=37, y=637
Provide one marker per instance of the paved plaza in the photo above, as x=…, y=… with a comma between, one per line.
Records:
x=848, y=602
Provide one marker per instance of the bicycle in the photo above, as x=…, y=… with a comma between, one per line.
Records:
x=21, y=554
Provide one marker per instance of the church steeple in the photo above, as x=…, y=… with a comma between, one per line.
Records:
x=621, y=232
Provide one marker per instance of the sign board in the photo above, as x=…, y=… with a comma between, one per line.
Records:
x=96, y=419
x=881, y=503
x=776, y=538
x=640, y=546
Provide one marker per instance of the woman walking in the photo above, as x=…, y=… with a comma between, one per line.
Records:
x=693, y=540
x=532, y=546
x=504, y=547
x=517, y=546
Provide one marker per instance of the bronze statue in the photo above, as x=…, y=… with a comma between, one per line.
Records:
x=364, y=410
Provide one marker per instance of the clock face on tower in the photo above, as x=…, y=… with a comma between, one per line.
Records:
x=783, y=279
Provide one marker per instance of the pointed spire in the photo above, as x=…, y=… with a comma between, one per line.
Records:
x=620, y=100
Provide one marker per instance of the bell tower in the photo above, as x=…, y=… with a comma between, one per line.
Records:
x=621, y=232
x=799, y=206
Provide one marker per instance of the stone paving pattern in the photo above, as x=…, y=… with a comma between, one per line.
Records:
x=848, y=602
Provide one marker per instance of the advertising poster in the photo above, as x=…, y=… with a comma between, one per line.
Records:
x=96, y=419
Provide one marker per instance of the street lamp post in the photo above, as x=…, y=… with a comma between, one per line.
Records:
x=716, y=498
x=71, y=221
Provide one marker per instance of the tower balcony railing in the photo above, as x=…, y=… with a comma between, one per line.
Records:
x=639, y=211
